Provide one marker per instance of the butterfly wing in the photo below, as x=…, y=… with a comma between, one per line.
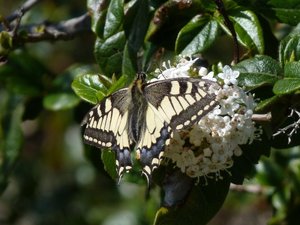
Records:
x=107, y=127
x=173, y=104
x=155, y=133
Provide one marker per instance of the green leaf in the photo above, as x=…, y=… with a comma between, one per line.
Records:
x=24, y=74
x=114, y=18
x=136, y=24
x=286, y=86
x=109, y=161
x=109, y=53
x=120, y=83
x=62, y=83
x=11, y=135
x=286, y=11
x=202, y=203
x=283, y=11
x=266, y=104
x=196, y=36
x=292, y=70
x=247, y=28
x=61, y=96
x=258, y=71
x=290, y=16
x=129, y=62
x=89, y=87
x=169, y=18
x=60, y=101
x=291, y=81
x=97, y=10
x=289, y=49
x=269, y=173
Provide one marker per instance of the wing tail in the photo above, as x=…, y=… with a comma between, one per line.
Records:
x=150, y=149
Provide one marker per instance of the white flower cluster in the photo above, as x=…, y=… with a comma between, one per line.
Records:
x=209, y=146
x=182, y=69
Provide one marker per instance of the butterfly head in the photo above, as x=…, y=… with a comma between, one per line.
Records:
x=141, y=77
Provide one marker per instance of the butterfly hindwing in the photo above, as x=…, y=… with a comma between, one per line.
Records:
x=155, y=134
x=107, y=127
x=173, y=104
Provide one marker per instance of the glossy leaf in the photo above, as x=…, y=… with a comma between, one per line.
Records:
x=62, y=83
x=176, y=187
x=169, y=18
x=61, y=96
x=279, y=10
x=114, y=18
x=109, y=52
x=118, y=84
x=109, y=161
x=198, y=35
x=266, y=104
x=247, y=28
x=136, y=24
x=129, y=67
x=97, y=10
x=292, y=70
x=202, y=203
x=289, y=16
x=291, y=81
x=258, y=71
x=286, y=86
x=89, y=87
x=286, y=11
x=289, y=49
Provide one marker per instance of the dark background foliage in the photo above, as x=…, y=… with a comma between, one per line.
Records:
x=59, y=55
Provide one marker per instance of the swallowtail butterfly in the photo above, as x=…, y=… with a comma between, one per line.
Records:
x=144, y=117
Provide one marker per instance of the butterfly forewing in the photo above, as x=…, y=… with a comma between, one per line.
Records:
x=174, y=104
x=107, y=127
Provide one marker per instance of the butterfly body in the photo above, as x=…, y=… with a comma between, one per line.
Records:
x=137, y=110
x=144, y=116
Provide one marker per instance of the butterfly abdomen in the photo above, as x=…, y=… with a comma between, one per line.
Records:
x=137, y=111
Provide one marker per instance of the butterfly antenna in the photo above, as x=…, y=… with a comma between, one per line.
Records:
x=161, y=71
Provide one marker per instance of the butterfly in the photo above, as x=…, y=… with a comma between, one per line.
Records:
x=144, y=116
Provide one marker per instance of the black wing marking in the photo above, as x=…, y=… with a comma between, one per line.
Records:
x=107, y=127
x=173, y=104
x=156, y=132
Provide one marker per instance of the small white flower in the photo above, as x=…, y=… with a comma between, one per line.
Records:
x=209, y=76
x=182, y=69
x=229, y=76
x=203, y=72
x=237, y=151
